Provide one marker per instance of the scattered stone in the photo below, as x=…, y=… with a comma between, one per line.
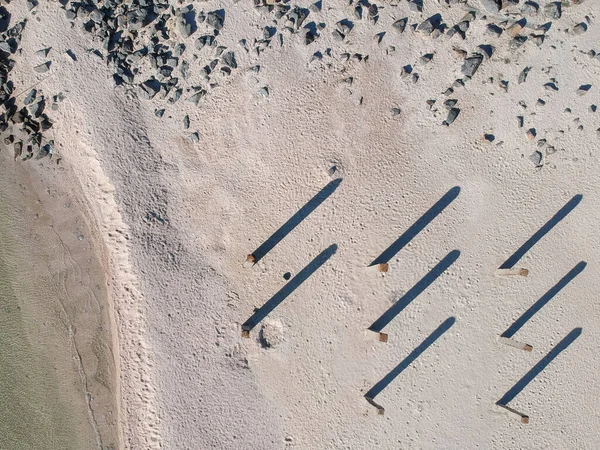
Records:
x=530, y=8
x=42, y=68
x=337, y=36
x=229, y=60
x=492, y=6
x=520, y=121
x=536, y=158
x=30, y=97
x=516, y=28
x=580, y=28
x=531, y=134
x=593, y=108
x=426, y=58
x=452, y=115
x=553, y=10
x=551, y=86
x=159, y=112
x=489, y=137
x=583, y=89
x=450, y=103
x=197, y=97
x=400, y=25
x=517, y=42
x=186, y=122
x=493, y=30
x=194, y=137
x=263, y=92
x=396, y=112
x=523, y=75
x=540, y=102
x=43, y=52
x=216, y=19
x=471, y=64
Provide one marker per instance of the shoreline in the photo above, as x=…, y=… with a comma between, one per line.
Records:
x=65, y=286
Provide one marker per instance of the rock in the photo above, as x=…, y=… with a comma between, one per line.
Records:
x=516, y=27
x=149, y=88
x=450, y=103
x=530, y=8
x=592, y=108
x=30, y=97
x=216, y=19
x=523, y=75
x=229, y=60
x=452, y=115
x=159, y=112
x=184, y=28
x=551, y=87
x=492, y=6
x=426, y=58
x=41, y=53
x=337, y=36
x=553, y=10
x=358, y=11
x=536, y=158
x=426, y=27
x=196, y=97
x=194, y=137
x=583, y=89
x=531, y=134
x=416, y=5
x=42, y=68
x=263, y=92
x=580, y=28
x=396, y=112
x=186, y=122
x=520, y=121
x=493, y=30
x=540, y=102
x=471, y=64
x=400, y=25
x=517, y=42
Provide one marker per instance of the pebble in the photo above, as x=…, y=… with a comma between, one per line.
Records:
x=583, y=89
x=552, y=10
x=531, y=133
x=536, y=158
x=452, y=115
x=263, y=92
x=396, y=112
x=471, y=64
x=186, y=122
x=492, y=6
x=400, y=25
x=42, y=68
x=580, y=28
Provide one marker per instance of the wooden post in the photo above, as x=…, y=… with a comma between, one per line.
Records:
x=524, y=417
x=516, y=344
x=515, y=272
x=380, y=409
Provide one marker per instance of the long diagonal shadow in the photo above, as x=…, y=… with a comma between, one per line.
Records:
x=539, y=367
x=293, y=221
x=290, y=287
x=383, y=383
x=554, y=220
x=417, y=227
x=516, y=326
x=415, y=291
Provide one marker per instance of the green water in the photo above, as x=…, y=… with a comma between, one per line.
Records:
x=40, y=392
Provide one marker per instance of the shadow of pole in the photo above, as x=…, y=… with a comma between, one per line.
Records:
x=293, y=221
x=539, y=367
x=560, y=215
x=417, y=227
x=516, y=326
x=290, y=287
x=415, y=291
x=385, y=381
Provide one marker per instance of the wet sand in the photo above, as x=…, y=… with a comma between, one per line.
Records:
x=58, y=373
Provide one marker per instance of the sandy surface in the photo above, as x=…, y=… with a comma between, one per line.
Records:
x=178, y=218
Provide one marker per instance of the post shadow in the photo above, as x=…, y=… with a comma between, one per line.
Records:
x=385, y=381
x=539, y=367
x=516, y=326
x=293, y=221
x=554, y=220
x=415, y=291
x=289, y=287
x=417, y=227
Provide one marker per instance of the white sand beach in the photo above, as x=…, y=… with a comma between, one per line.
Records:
x=445, y=147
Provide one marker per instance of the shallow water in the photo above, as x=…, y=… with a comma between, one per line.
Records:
x=42, y=404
